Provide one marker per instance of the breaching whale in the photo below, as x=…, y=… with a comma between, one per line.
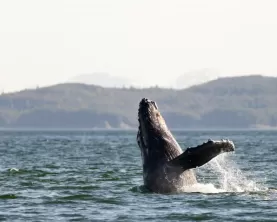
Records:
x=166, y=168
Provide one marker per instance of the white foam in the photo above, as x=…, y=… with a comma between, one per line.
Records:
x=201, y=188
x=13, y=170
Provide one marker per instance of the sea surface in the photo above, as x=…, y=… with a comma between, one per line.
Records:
x=97, y=176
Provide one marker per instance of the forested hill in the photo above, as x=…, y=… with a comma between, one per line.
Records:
x=237, y=102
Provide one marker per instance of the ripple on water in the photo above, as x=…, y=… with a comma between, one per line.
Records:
x=80, y=188
x=8, y=196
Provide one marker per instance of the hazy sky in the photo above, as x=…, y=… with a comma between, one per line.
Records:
x=154, y=42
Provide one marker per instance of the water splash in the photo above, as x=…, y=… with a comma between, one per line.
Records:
x=228, y=176
x=231, y=178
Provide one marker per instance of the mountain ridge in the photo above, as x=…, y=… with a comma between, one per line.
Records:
x=230, y=102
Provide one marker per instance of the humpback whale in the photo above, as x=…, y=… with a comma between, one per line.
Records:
x=166, y=168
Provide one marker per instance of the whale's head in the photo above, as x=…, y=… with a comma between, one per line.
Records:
x=153, y=134
x=150, y=118
x=151, y=122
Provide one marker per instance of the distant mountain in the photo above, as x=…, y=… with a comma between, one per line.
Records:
x=194, y=77
x=238, y=102
x=102, y=79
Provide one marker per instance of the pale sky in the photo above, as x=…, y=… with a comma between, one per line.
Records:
x=149, y=41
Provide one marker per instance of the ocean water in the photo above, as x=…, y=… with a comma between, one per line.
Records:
x=97, y=176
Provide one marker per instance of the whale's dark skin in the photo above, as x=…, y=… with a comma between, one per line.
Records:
x=166, y=168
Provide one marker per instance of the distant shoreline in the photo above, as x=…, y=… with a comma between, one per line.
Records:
x=224, y=104
x=133, y=129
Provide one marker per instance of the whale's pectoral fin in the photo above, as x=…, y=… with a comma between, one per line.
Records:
x=197, y=156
